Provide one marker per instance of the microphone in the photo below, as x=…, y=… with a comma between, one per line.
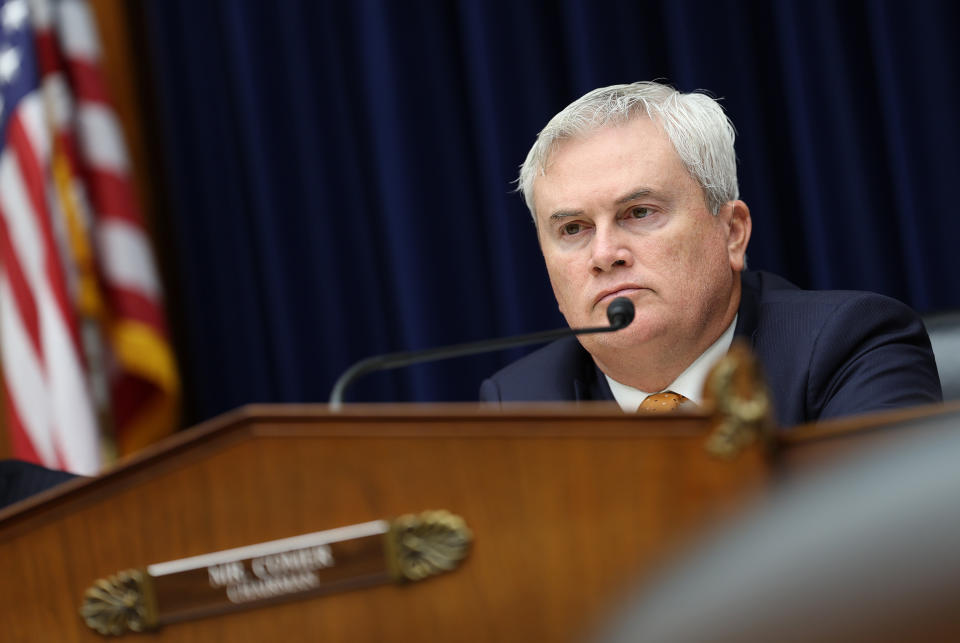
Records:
x=619, y=314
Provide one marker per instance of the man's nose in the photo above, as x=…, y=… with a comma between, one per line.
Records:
x=610, y=249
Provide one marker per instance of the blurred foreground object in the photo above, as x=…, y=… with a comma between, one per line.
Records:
x=87, y=365
x=944, y=331
x=860, y=548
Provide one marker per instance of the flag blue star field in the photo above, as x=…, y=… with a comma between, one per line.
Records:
x=86, y=362
x=18, y=73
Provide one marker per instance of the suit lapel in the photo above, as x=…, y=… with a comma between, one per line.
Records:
x=748, y=314
x=589, y=384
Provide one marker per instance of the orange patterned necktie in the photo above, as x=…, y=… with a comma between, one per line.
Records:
x=663, y=402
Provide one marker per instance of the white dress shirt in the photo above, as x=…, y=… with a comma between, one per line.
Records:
x=688, y=384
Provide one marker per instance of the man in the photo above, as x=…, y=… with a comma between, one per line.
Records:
x=633, y=190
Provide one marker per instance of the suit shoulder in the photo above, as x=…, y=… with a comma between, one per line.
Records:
x=830, y=353
x=775, y=291
x=19, y=480
x=545, y=374
x=865, y=308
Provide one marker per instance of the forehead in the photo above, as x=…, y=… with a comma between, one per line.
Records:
x=605, y=163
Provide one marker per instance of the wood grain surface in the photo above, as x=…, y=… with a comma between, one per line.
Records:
x=567, y=508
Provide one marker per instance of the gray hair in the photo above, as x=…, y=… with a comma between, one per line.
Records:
x=696, y=124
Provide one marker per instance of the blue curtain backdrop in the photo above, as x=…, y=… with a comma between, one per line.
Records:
x=340, y=173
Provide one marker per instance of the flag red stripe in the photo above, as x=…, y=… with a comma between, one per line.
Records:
x=26, y=305
x=48, y=52
x=86, y=81
x=66, y=145
x=111, y=196
x=134, y=306
x=131, y=394
x=29, y=165
x=20, y=443
x=34, y=183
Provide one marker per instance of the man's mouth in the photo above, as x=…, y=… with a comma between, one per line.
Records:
x=605, y=297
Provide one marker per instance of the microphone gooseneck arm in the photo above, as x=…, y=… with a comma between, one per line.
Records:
x=619, y=313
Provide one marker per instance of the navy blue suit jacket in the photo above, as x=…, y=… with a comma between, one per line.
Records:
x=19, y=480
x=825, y=353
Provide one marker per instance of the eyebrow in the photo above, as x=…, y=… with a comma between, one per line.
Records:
x=560, y=215
x=639, y=193
x=636, y=194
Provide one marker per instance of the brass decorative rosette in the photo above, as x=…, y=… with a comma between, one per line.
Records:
x=737, y=391
x=121, y=603
x=427, y=544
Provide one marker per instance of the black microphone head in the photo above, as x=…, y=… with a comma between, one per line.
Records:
x=620, y=313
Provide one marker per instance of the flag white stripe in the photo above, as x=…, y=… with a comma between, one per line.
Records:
x=77, y=30
x=100, y=138
x=127, y=258
x=21, y=219
x=23, y=374
x=74, y=420
x=70, y=420
x=41, y=14
x=31, y=115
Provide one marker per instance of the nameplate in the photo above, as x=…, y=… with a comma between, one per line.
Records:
x=407, y=549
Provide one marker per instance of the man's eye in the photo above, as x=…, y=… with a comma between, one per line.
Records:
x=640, y=212
x=571, y=228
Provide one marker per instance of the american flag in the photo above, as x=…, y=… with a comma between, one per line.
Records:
x=87, y=366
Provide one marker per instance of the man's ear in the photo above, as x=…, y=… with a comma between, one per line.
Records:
x=739, y=227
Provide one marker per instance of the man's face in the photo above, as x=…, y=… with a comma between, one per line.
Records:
x=619, y=215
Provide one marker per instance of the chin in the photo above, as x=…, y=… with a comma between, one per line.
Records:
x=639, y=332
x=632, y=337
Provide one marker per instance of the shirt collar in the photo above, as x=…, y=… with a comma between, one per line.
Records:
x=688, y=384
